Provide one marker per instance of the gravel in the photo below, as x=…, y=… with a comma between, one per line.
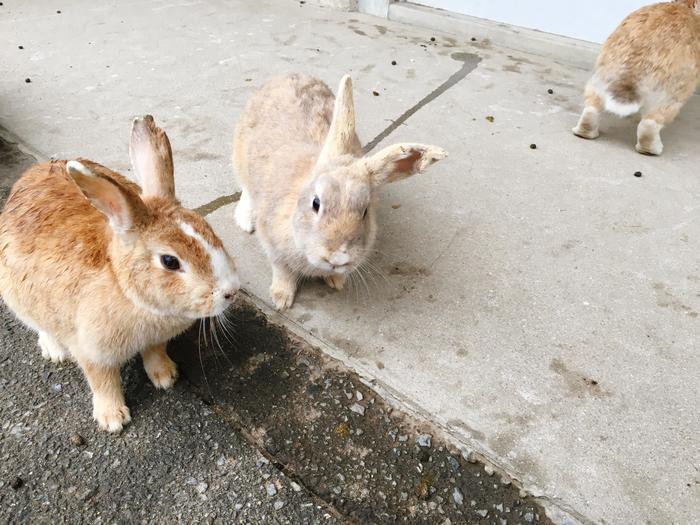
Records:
x=424, y=440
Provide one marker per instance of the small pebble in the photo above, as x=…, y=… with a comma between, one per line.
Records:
x=533, y=146
x=424, y=440
x=295, y=487
x=637, y=174
x=529, y=517
x=488, y=469
x=27, y=80
x=490, y=118
x=358, y=409
x=202, y=487
x=20, y=47
x=375, y=93
x=77, y=440
x=458, y=497
x=483, y=513
x=271, y=489
x=395, y=206
x=393, y=62
x=453, y=463
x=58, y=12
x=550, y=91
x=432, y=39
x=279, y=504
x=17, y=483
x=473, y=39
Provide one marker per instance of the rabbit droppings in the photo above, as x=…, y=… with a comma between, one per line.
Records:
x=306, y=187
x=103, y=269
x=649, y=64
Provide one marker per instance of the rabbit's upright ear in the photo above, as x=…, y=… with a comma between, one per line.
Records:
x=341, y=139
x=400, y=161
x=152, y=158
x=122, y=207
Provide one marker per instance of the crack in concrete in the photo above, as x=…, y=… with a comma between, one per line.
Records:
x=219, y=202
x=469, y=63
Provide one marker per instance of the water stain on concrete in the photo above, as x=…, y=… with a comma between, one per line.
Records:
x=303, y=318
x=469, y=63
x=211, y=207
x=350, y=346
x=410, y=74
x=406, y=269
x=666, y=299
x=198, y=155
x=475, y=434
x=382, y=30
x=578, y=384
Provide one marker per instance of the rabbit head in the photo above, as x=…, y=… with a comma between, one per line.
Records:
x=335, y=219
x=167, y=259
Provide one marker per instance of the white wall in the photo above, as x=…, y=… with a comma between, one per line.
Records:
x=592, y=20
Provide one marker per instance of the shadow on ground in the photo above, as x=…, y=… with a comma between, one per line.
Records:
x=325, y=428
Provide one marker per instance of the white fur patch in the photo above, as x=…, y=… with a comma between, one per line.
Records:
x=76, y=166
x=619, y=108
x=224, y=273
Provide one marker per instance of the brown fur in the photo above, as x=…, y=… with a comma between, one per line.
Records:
x=651, y=64
x=294, y=142
x=93, y=293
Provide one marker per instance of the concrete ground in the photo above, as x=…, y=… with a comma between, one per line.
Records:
x=540, y=304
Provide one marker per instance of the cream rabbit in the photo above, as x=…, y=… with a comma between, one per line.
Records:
x=649, y=64
x=103, y=270
x=306, y=187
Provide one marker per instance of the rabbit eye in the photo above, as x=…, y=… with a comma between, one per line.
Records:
x=365, y=213
x=316, y=204
x=169, y=262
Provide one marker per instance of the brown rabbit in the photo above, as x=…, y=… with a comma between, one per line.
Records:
x=103, y=269
x=650, y=63
x=307, y=188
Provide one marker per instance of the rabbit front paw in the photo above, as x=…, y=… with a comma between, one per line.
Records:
x=111, y=416
x=336, y=281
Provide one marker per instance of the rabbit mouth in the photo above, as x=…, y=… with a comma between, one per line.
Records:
x=329, y=268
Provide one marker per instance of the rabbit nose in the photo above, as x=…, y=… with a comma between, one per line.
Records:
x=339, y=258
x=229, y=295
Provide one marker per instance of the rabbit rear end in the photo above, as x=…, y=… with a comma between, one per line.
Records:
x=103, y=270
x=306, y=188
x=649, y=64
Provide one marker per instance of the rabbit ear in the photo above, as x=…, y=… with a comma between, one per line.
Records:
x=152, y=158
x=341, y=137
x=122, y=207
x=400, y=161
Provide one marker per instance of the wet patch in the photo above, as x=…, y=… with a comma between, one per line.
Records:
x=469, y=63
x=666, y=299
x=579, y=384
x=219, y=202
x=406, y=269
